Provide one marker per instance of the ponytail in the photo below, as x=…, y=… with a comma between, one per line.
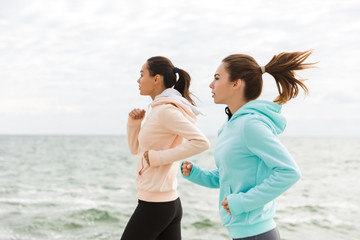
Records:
x=183, y=85
x=282, y=67
x=163, y=66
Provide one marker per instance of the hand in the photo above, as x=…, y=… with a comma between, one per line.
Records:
x=225, y=205
x=146, y=157
x=137, y=113
x=186, y=168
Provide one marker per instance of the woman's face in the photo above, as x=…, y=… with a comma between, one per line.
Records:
x=221, y=87
x=146, y=81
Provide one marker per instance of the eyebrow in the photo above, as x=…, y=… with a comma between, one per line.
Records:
x=216, y=74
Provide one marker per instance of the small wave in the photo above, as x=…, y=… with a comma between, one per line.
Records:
x=94, y=215
x=72, y=225
x=317, y=208
x=310, y=208
x=321, y=221
x=206, y=223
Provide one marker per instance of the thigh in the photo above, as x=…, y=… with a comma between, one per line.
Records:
x=173, y=230
x=147, y=221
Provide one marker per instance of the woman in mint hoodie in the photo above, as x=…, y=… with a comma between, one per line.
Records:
x=253, y=167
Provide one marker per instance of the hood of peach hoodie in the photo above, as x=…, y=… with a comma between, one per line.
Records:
x=174, y=97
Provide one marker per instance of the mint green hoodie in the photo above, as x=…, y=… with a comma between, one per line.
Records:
x=253, y=168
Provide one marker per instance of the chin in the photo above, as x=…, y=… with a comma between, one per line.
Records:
x=216, y=101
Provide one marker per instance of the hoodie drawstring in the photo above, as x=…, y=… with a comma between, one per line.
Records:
x=227, y=111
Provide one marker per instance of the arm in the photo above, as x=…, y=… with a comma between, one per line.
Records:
x=133, y=128
x=261, y=141
x=175, y=122
x=206, y=178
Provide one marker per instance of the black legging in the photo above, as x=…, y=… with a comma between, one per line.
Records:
x=155, y=221
x=270, y=235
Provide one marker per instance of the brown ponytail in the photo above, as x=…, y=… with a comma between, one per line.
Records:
x=282, y=67
x=163, y=66
x=183, y=85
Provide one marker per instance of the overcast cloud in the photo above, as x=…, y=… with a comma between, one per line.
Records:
x=70, y=67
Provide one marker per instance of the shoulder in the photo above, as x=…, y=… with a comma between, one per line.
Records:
x=167, y=111
x=253, y=120
x=168, y=107
x=256, y=131
x=254, y=125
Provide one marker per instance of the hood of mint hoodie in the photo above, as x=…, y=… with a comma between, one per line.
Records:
x=268, y=112
x=253, y=168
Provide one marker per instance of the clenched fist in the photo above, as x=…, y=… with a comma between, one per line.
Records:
x=186, y=168
x=137, y=113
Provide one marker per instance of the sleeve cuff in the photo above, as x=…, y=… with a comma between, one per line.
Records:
x=154, y=158
x=194, y=171
x=235, y=204
x=134, y=122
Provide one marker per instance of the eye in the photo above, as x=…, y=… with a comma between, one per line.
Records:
x=216, y=78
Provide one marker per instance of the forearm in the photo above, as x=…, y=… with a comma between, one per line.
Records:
x=180, y=152
x=133, y=129
x=205, y=178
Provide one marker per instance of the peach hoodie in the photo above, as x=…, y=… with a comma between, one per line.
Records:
x=163, y=132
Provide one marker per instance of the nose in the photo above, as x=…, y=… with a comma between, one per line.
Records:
x=138, y=81
x=211, y=85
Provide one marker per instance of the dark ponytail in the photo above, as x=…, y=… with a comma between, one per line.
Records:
x=163, y=66
x=183, y=85
x=282, y=67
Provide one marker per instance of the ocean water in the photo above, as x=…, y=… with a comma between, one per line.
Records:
x=82, y=187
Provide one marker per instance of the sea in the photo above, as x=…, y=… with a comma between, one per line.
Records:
x=83, y=187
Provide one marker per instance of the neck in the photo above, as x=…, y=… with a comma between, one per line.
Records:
x=235, y=105
x=156, y=92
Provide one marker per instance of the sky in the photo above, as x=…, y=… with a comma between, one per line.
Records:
x=70, y=67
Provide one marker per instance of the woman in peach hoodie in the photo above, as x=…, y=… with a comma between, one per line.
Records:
x=159, y=145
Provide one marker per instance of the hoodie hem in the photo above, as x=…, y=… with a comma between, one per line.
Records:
x=157, y=196
x=241, y=231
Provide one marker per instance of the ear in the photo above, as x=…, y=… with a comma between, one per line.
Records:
x=237, y=83
x=157, y=78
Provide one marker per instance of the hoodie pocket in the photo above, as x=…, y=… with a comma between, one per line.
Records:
x=225, y=191
x=140, y=165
